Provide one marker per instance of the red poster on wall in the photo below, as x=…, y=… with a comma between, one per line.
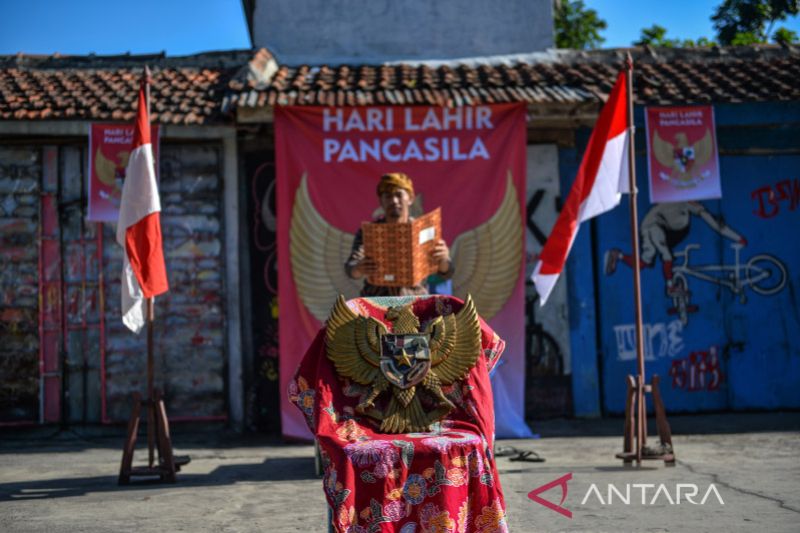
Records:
x=109, y=148
x=470, y=161
x=682, y=156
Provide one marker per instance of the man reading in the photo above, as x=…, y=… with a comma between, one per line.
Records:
x=395, y=194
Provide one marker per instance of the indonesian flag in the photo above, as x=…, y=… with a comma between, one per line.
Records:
x=139, y=227
x=601, y=180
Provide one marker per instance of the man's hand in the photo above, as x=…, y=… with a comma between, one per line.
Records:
x=366, y=266
x=441, y=254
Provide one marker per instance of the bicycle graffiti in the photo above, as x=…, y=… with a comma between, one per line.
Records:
x=763, y=273
x=665, y=226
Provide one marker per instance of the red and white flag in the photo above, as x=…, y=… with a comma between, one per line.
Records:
x=601, y=180
x=139, y=227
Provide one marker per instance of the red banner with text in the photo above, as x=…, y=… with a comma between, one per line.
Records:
x=682, y=156
x=109, y=148
x=470, y=161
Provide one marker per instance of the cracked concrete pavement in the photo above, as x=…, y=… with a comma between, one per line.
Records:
x=66, y=481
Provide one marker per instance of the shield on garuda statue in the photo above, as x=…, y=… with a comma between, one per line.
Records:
x=405, y=359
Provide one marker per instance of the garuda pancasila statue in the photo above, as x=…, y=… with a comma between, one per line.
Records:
x=408, y=363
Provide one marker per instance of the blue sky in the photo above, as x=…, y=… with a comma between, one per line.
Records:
x=191, y=26
x=115, y=27
x=684, y=19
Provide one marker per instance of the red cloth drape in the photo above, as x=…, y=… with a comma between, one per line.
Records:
x=444, y=481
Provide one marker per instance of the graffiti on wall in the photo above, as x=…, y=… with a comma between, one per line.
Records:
x=770, y=199
x=723, y=274
x=264, y=392
x=265, y=221
x=661, y=339
x=544, y=356
x=665, y=226
x=548, y=380
x=700, y=371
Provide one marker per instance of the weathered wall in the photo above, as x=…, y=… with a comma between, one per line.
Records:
x=353, y=31
x=20, y=179
x=190, y=318
x=92, y=363
x=80, y=245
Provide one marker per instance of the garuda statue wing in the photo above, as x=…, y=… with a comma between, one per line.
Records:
x=455, y=343
x=318, y=254
x=487, y=258
x=354, y=344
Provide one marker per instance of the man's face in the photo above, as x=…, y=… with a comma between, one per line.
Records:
x=396, y=203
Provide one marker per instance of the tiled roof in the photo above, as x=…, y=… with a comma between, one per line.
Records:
x=662, y=76
x=209, y=88
x=185, y=90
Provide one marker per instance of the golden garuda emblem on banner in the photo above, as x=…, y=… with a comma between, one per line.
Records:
x=683, y=159
x=409, y=364
x=487, y=258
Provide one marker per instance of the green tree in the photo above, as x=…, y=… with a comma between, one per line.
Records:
x=745, y=38
x=741, y=22
x=704, y=41
x=577, y=26
x=784, y=36
x=656, y=36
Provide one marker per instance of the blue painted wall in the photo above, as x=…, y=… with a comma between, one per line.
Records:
x=581, y=301
x=736, y=348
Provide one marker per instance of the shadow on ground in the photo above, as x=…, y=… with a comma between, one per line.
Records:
x=190, y=436
x=185, y=437
x=683, y=424
x=271, y=470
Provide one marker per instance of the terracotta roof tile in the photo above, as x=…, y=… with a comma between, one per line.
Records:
x=185, y=90
x=207, y=88
x=663, y=76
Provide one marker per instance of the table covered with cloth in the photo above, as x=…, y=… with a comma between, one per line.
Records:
x=444, y=480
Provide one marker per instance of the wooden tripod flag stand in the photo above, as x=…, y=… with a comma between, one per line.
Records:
x=141, y=191
x=157, y=427
x=635, y=439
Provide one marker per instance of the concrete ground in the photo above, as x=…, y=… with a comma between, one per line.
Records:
x=66, y=481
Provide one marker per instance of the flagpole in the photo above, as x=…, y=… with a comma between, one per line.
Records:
x=641, y=416
x=151, y=422
x=151, y=419
x=147, y=90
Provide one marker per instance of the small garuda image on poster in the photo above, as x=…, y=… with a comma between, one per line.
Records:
x=682, y=155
